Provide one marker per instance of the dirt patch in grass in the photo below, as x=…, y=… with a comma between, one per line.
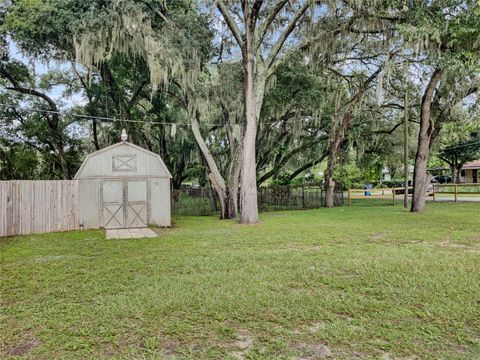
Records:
x=475, y=238
x=387, y=356
x=460, y=349
x=108, y=349
x=169, y=348
x=243, y=344
x=279, y=214
x=312, y=351
x=448, y=244
x=378, y=236
x=23, y=348
x=316, y=327
x=162, y=231
x=298, y=248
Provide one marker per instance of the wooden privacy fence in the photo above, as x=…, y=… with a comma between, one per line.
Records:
x=28, y=207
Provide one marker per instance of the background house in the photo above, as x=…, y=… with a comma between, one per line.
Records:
x=470, y=171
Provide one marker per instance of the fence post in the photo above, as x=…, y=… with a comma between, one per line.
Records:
x=393, y=196
x=455, y=192
x=433, y=192
x=303, y=196
x=349, y=197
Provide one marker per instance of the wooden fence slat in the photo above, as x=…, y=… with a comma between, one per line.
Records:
x=48, y=214
x=58, y=206
x=24, y=208
x=3, y=207
x=64, y=206
x=35, y=215
x=28, y=207
x=16, y=208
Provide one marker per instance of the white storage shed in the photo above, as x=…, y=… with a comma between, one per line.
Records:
x=123, y=186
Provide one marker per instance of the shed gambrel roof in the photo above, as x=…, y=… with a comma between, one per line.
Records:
x=101, y=163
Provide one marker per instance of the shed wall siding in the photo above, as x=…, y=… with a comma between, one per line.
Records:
x=90, y=203
x=160, y=202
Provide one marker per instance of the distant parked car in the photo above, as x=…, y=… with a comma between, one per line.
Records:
x=441, y=179
x=400, y=188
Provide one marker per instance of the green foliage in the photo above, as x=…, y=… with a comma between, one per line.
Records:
x=17, y=161
x=459, y=153
x=350, y=176
x=118, y=87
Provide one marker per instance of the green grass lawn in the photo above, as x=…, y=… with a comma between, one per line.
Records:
x=350, y=282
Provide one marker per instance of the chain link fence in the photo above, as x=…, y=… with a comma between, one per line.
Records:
x=203, y=201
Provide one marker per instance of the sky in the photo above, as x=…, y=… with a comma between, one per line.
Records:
x=57, y=92
x=62, y=100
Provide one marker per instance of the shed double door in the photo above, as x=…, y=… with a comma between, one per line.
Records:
x=125, y=204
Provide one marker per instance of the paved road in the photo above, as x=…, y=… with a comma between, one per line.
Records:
x=461, y=198
x=439, y=198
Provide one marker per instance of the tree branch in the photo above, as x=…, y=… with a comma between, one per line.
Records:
x=286, y=33
x=263, y=28
x=36, y=93
x=230, y=23
x=256, y=9
x=395, y=127
x=136, y=94
x=308, y=165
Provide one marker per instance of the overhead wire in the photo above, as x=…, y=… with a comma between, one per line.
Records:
x=100, y=118
x=113, y=119
x=461, y=145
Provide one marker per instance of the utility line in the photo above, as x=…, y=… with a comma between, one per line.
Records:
x=101, y=118
x=112, y=119
x=461, y=145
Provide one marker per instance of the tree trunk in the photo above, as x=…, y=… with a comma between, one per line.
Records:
x=216, y=179
x=329, y=183
x=95, y=135
x=63, y=161
x=53, y=124
x=420, y=177
x=338, y=137
x=232, y=190
x=249, y=201
x=455, y=169
x=458, y=171
x=178, y=173
x=337, y=140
